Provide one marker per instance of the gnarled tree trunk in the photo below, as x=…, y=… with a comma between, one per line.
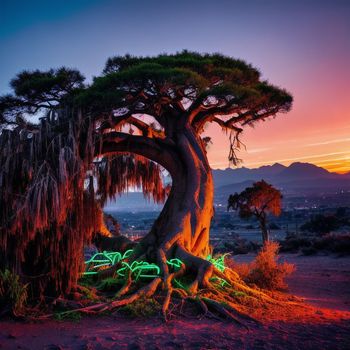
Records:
x=182, y=228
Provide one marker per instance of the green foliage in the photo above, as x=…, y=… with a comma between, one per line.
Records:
x=110, y=284
x=13, y=294
x=201, y=63
x=67, y=316
x=50, y=85
x=188, y=70
x=142, y=307
x=218, y=261
x=35, y=90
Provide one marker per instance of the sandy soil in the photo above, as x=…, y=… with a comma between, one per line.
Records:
x=324, y=282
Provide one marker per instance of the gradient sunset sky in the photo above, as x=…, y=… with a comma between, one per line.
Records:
x=303, y=46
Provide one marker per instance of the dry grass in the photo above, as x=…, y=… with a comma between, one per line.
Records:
x=13, y=294
x=264, y=271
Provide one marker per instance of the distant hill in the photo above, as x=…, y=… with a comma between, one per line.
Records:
x=296, y=179
x=230, y=176
x=132, y=201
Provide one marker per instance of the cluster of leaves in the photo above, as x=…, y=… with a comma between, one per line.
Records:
x=13, y=294
x=255, y=200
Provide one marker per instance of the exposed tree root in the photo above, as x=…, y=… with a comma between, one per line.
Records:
x=216, y=293
x=224, y=310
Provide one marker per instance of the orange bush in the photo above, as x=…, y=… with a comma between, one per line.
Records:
x=265, y=271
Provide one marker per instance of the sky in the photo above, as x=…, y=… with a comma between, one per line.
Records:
x=302, y=46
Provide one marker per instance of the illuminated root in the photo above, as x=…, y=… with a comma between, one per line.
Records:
x=226, y=311
x=203, y=269
x=126, y=287
x=146, y=291
x=180, y=283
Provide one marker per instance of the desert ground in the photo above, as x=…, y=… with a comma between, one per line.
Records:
x=322, y=281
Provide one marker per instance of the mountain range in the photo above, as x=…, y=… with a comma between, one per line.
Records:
x=295, y=179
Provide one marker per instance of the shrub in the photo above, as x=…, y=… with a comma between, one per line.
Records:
x=265, y=271
x=293, y=243
x=13, y=294
x=339, y=244
x=243, y=269
x=142, y=307
x=322, y=224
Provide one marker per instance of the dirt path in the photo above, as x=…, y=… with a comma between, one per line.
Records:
x=323, y=281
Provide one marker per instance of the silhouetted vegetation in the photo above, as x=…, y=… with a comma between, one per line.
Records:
x=259, y=200
x=322, y=224
x=313, y=244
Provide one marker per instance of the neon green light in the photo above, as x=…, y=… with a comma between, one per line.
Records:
x=139, y=269
x=100, y=265
x=220, y=280
x=175, y=263
x=142, y=269
x=179, y=284
x=219, y=262
x=127, y=254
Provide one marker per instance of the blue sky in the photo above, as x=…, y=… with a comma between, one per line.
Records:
x=303, y=46
x=83, y=33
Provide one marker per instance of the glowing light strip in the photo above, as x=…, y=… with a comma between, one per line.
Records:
x=142, y=269
x=219, y=262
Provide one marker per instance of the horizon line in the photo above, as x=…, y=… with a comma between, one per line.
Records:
x=241, y=166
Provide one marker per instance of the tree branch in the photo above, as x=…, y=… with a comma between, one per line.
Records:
x=157, y=150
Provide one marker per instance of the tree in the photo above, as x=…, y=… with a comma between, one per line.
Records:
x=141, y=115
x=259, y=200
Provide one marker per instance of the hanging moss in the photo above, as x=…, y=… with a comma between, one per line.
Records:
x=49, y=205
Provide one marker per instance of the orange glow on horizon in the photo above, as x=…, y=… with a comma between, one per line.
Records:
x=332, y=154
x=334, y=159
x=316, y=131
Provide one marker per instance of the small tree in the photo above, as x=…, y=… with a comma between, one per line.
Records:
x=259, y=200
